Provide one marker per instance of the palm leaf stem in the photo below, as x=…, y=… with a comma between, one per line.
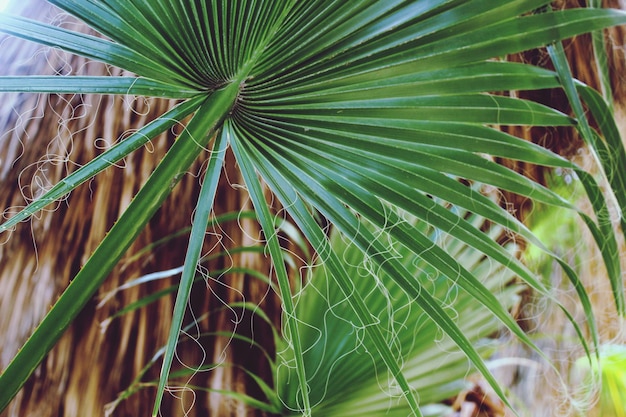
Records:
x=55, y=84
x=267, y=224
x=192, y=257
x=605, y=158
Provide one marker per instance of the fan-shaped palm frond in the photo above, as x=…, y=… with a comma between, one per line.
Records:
x=345, y=377
x=354, y=110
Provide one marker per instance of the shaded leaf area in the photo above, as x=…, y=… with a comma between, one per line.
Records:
x=346, y=378
x=357, y=112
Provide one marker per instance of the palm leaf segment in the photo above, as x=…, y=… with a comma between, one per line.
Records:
x=360, y=110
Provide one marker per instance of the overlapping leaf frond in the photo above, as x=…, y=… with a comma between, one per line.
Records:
x=345, y=378
x=355, y=109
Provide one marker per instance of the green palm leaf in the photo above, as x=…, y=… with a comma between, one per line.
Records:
x=343, y=373
x=358, y=110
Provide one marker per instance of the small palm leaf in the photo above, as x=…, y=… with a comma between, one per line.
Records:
x=345, y=378
x=358, y=109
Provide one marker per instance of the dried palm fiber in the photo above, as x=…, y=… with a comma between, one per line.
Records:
x=44, y=137
x=536, y=386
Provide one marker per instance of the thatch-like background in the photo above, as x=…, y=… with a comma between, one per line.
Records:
x=43, y=138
